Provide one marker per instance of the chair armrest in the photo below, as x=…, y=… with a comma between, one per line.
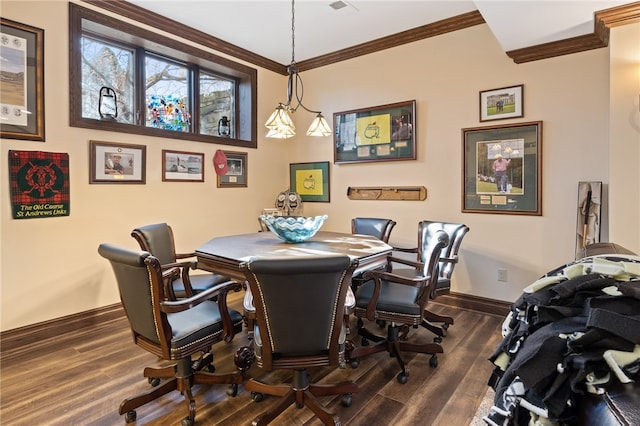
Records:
x=406, y=249
x=171, y=271
x=185, y=255
x=377, y=276
x=220, y=292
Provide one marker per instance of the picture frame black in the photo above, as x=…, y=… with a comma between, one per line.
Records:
x=311, y=181
x=502, y=103
x=237, y=170
x=380, y=133
x=489, y=185
x=117, y=163
x=22, y=90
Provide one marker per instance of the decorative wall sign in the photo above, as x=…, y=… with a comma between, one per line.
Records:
x=391, y=193
x=310, y=181
x=182, y=166
x=502, y=169
x=39, y=184
x=22, y=89
x=382, y=133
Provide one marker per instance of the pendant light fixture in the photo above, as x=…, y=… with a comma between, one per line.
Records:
x=280, y=124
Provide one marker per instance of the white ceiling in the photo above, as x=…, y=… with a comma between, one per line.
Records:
x=264, y=26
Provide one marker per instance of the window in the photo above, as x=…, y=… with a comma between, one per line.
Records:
x=162, y=87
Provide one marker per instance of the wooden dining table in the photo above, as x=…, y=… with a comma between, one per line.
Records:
x=224, y=255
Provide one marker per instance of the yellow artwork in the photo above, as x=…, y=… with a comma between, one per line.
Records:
x=373, y=130
x=309, y=182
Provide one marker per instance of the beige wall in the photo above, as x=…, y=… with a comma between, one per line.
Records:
x=50, y=267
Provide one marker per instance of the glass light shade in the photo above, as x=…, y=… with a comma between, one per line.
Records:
x=281, y=133
x=280, y=118
x=319, y=127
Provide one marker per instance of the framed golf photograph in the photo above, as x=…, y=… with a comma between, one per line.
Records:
x=236, y=175
x=182, y=166
x=502, y=169
x=380, y=133
x=117, y=163
x=22, y=89
x=506, y=102
x=310, y=181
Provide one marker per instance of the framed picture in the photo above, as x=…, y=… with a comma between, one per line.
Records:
x=381, y=133
x=310, y=181
x=182, y=166
x=22, y=89
x=117, y=163
x=237, y=167
x=502, y=169
x=507, y=102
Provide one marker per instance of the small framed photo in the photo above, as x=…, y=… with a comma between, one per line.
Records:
x=497, y=104
x=310, y=181
x=237, y=167
x=502, y=169
x=182, y=166
x=22, y=89
x=117, y=163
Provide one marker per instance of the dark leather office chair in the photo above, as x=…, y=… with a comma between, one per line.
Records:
x=376, y=227
x=292, y=333
x=448, y=261
x=174, y=330
x=158, y=240
x=401, y=302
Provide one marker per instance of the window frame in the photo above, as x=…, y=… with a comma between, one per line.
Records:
x=108, y=27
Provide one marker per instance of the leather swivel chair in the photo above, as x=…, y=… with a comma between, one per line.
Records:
x=448, y=260
x=400, y=301
x=299, y=304
x=158, y=240
x=174, y=330
x=376, y=227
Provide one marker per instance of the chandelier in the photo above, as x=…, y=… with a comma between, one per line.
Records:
x=280, y=124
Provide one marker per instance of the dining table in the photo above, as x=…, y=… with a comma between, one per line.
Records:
x=224, y=255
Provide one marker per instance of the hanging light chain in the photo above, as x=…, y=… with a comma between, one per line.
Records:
x=293, y=32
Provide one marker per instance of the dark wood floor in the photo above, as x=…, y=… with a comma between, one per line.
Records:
x=80, y=378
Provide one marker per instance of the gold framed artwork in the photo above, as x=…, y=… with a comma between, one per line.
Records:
x=22, y=89
x=381, y=133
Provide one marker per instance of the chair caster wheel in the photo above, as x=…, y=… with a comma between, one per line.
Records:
x=355, y=363
x=402, y=378
x=346, y=400
x=364, y=342
x=257, y=396
x=445, y=326
x=187, y=421
x=437, y=339
x=130, y=416
x=359, y=323
x=382, y=323
x=153, y=381
x=211, y=368
x=433, y=361
x=233, y=390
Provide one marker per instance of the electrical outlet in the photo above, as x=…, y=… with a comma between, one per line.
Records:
x=502, y=275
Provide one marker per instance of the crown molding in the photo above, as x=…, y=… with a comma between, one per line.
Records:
x=604, y=19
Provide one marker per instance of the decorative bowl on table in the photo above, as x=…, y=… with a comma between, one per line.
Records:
x=293, y=229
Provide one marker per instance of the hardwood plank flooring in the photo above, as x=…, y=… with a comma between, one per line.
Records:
x=81, y=376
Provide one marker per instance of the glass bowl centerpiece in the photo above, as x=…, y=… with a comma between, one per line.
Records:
x=293, y=229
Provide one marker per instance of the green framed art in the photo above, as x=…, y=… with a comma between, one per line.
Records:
x=310, y=181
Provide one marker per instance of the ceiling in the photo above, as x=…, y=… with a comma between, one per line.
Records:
x=264, y=26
